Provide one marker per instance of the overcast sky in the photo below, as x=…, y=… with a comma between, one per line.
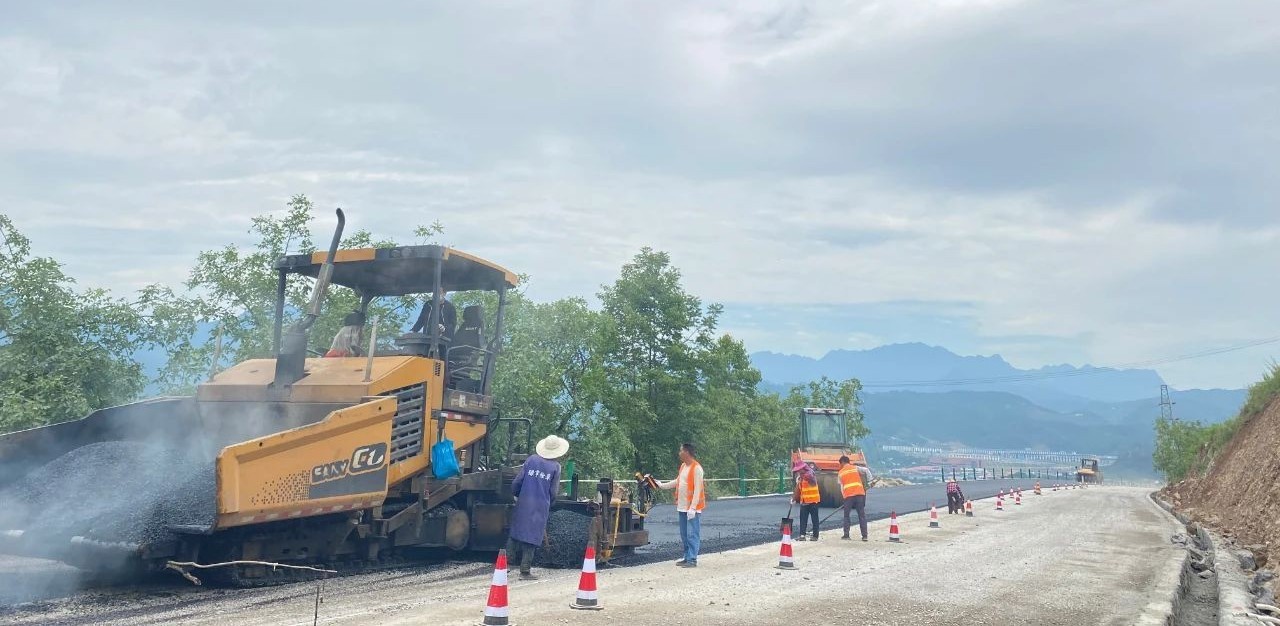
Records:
x=1051, y=181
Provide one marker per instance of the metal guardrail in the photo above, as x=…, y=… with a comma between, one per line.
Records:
x=781, y=485
x=1002, y=455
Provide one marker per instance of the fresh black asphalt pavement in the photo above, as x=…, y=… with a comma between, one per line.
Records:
x=733, y=523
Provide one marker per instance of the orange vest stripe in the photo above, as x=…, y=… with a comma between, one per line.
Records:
x=851, y=482
x=809, y=491
x=689, y=488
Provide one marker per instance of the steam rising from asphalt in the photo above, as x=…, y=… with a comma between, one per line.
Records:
x=96, y=505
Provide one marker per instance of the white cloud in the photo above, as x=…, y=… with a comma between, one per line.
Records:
x=1093, y=176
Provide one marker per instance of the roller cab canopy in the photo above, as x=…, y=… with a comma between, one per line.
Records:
x=403, y=270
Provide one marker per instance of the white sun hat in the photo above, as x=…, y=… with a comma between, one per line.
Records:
x=552, y=447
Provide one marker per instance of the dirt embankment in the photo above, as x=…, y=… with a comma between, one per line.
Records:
x=1240, y=495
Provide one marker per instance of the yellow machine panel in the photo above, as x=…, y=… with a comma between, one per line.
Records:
x=339, y=463
x=327, y=380
x=344, y=461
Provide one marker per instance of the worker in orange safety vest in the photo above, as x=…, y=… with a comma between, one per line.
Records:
x=807, y=496
x=854, y=480
x=691, y=499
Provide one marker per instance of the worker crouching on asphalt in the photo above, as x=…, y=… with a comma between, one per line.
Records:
x=691, y=499
x=807, y=496
x=854, y=480
x=955, y=497
x=534, y=487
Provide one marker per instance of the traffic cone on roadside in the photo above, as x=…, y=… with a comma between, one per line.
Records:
x=586, y=598
x=495, y=611
x=933, y=517
x=893, y=527
x=1017, y=499
x=785, y=560
x=999, y=502
x=968, y=508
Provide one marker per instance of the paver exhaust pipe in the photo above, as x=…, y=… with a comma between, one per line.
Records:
x=291, y=362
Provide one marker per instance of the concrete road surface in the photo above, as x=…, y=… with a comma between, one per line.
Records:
x=1095, y=556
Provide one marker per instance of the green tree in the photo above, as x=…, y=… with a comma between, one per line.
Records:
x=831, y=394
x=1178, y=447
x=1188, y=448
x=63, y=352
x=653, y=335
x=742, y=427
x=548, y=372
x=234, y=291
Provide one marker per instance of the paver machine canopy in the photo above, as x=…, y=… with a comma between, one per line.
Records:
x=824, y=438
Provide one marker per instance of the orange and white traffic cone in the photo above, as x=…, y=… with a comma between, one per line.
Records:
x=785, y=561
x=1017, y=499
x=495, y=611
x=933, y=517
x=1000, y=502
x=968, y=508
x=587, y=599
x=893, y=527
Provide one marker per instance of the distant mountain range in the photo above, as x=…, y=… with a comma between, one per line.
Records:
x=993, y=419
x=906, y=367
x=1086, y=409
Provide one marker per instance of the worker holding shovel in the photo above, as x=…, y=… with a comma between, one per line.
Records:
x=854, y=481
x=808, y=497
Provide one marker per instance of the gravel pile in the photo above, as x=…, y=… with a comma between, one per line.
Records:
x=115, y=491
x=567, y=536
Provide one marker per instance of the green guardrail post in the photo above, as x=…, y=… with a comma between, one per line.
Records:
x=742, y=480
x=782, y=479
x=569, y=468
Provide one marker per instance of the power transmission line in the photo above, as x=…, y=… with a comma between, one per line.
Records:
x=1032, y=376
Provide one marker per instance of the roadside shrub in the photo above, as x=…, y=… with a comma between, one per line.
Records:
x=1188, y=448
x=1262, y=393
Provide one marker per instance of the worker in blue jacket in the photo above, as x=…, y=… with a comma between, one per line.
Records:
x=535, y=487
